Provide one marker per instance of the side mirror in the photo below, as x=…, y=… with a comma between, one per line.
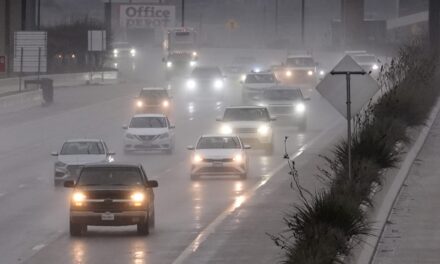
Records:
x=125, y=127
x=273, y=118
x=55, y=154
x=172, y=126
x=219, y=119
x=69, y=184
x=190, y=147
x=152, y=184
x=247, y=147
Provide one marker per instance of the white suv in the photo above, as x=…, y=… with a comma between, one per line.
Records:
x=149, y=132
x=250, y=123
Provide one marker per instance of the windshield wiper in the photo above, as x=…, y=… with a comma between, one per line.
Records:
x=118, y=184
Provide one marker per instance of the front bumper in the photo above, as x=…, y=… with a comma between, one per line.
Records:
x=120, y=218
x=218, y=168
x=154, y=144
x=255, y=137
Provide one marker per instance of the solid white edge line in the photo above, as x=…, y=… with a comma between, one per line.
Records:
x=204, y=234
x=371, y=243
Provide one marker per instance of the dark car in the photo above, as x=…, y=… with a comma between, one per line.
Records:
x=206, y=79
x=111, y=195
x=153, y=100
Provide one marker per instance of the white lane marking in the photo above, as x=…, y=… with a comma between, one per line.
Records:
x=204, y=234
x=38, y=247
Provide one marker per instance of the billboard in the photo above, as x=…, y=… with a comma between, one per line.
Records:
x=139, y=16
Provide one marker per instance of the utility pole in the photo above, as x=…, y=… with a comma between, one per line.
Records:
x=38, y=14
x=434, y=24
x=183, y=13
x=302, y=22
x=276, y=17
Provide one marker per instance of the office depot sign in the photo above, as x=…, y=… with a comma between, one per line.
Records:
x=147, y=16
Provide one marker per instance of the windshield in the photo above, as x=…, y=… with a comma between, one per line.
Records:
x=246, y=114
x=82, y=148
x=218, y=143
x=121, y=45
x=365, y=59
x=185, y=41
x=148, y=122
x=206, y=73
x=300, y=62
x=283, y=95
x=154, y=95
x=110, y=176
x=260, y=78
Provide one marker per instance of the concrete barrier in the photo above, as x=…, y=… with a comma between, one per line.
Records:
x=20, y=101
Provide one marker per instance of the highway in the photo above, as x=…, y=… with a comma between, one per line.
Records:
x=34, y=218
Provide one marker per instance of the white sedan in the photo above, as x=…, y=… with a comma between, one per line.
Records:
x=149, y=132
x=219, y=155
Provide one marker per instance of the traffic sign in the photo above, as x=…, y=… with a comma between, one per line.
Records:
x=232, y=24
x=333, y=87
x=30, y=51
x=96, y=40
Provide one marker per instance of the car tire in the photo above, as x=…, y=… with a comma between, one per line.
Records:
x=169, y=151
x=195, y=177
x=243, y=176
x=77, y=230
x=152, y=220
x=143, y=228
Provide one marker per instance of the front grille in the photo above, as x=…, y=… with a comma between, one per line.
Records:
x=108, y=194
x=246, y=130
x=147, y=137
x=217, y=160
x=217, y=170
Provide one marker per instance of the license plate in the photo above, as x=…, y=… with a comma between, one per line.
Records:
x=217, y=164
x=107, y=217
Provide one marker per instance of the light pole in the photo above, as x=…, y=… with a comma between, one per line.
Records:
x=302, y=21
x=183, y=13
x=276, y=17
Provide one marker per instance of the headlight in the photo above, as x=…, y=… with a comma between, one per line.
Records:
x=191, y=84
x=243, y=77
x=300, y=108
x=194, y=54
x=115, y=53
x=263, y=130
x=133, y=52
x=321, y=72
x=60, y=164
x=130, y=136
x=197, y=158
x=78, y=198
x=139, y=103
x=137, y=198
x=218, y=84
x=165, y=103
x=288, y=73
x=192, y=63
x=169, y=64
x=375, y=67
x=238, y=158
x=310, y=73
x=226, y=129
x=257, y=70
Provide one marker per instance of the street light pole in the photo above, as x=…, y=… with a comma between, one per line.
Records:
x=302, y=22
x=183, y=13
x=276, y=17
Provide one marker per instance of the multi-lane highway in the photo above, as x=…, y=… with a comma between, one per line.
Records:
x=34, y=213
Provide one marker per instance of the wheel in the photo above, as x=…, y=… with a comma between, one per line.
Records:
x=243, y=176
x=152, y=219
x=77, y=229
x=143, y=228
x=195, y=177
x=169, y=151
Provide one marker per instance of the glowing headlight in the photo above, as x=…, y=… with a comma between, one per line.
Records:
x=78, y=197
x=139, y=103
x=288, y=73
x=300, y=108
x=257, y=70
x=115, y=53
x=310, y=73
x=192, y=63
x=194, y=54
x=197, y=158
x=218, y=84
x=238, y=158
x=226, y=129
x=263, y=130
x=375, y=67
x=137, y=197
x=165, y=103
x=191, y=84
x=321, y=72
x=133, y=52
x=169, y=64
x=243, y=77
